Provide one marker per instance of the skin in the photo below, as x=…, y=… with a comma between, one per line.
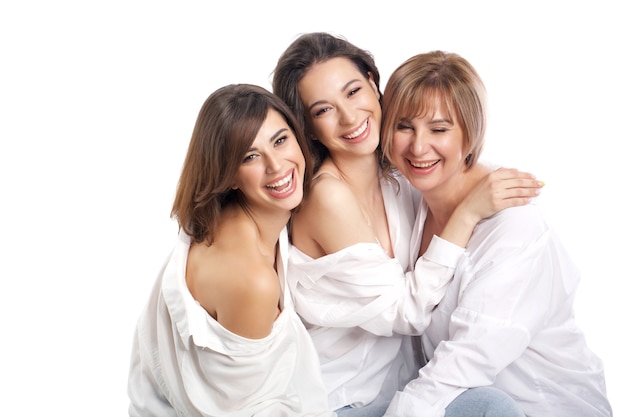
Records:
x=345, y=204
x=430, y=152
x=244, y=296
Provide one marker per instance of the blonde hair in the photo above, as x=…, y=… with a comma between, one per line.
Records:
x=427, y=79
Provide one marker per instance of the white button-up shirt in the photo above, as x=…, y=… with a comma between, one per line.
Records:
x=358, y=302
x=184, y=363
x=507, y=320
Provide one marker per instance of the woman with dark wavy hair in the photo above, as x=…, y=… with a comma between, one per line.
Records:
x=350, y=271
x=219, y=335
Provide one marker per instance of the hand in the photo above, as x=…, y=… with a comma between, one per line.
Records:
x=500, y=189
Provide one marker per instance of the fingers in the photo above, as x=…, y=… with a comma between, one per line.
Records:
x=500, y=189
x=517, y=192
x=511, y=178
x=519, y=183
x=514, y=202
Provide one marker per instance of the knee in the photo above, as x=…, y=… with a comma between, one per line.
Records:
x=484, y=402
x=500, y=404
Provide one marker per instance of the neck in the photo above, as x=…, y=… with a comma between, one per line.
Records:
x=268, y=225
x=361, y=173
x=444, y=199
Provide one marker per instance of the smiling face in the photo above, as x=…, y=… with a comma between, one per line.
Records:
x=342, y=107
x=429, y=148
x=272, y=172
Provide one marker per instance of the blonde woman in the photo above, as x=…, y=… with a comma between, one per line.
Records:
x=506, y=323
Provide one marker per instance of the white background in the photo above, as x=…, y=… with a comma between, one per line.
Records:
x=98, y=101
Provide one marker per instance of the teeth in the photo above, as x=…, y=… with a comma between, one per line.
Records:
x=358, y=132
x=280, y=183
x=423, y=164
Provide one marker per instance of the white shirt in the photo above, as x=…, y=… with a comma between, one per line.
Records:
x=507, y=320
x=356, y=301
x=184, y=363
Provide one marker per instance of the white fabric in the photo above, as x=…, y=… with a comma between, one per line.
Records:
x=184, y=363
x=351, y=298
x=507, y=320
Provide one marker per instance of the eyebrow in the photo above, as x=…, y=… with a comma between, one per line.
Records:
x=344, y=88
x=430, y=122
x=442, y=120
x=278, y=133
x=271, y=139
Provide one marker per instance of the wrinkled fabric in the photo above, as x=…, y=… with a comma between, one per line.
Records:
x=507, y=321
x=184, y=363
x=358, y=303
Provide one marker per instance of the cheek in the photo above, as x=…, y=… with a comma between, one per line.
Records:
x=299, y=158
x=455, y=145
x=295, y=154
x=399, y=143
x=323, y=127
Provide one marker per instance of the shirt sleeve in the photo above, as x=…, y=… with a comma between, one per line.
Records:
x=362, y=286
x=503, y=299
x=426, y=285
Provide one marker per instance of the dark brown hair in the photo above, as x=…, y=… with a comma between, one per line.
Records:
x=307, y=50
x=227, y=124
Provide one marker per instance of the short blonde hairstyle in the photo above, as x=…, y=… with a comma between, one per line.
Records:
x=427, y=79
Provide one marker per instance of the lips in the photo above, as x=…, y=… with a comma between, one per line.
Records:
x=283, y=185
x=423, y=165
x=359, y=131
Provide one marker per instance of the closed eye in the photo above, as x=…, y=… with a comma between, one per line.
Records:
x=403, y=125
x=280, y=140
x=321, y=111
x=354, y=91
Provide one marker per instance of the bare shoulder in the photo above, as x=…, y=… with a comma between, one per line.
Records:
x=330, y=219
x=329, y=193
x=236, y=288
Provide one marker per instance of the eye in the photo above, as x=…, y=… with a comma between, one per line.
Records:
x=403, y=126
x=353, y=91
x=249, y=158
x=321, y=111
x=280, y=140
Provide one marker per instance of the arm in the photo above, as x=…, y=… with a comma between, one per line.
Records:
x=500, y=189
x=144, y=391
x=357, y=283
x=249, y=306
x=241, y=296
x=501, y=298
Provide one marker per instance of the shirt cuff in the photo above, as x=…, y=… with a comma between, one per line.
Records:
x=443, y=252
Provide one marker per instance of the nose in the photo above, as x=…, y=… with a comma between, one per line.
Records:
x=347, y=115
x=272, y=162
x=419, y=144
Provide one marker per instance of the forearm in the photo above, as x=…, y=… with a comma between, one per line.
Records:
x=362, y=286
x=460, y=226
x=427, y=284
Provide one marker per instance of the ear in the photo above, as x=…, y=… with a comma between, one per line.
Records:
x=373, y=84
